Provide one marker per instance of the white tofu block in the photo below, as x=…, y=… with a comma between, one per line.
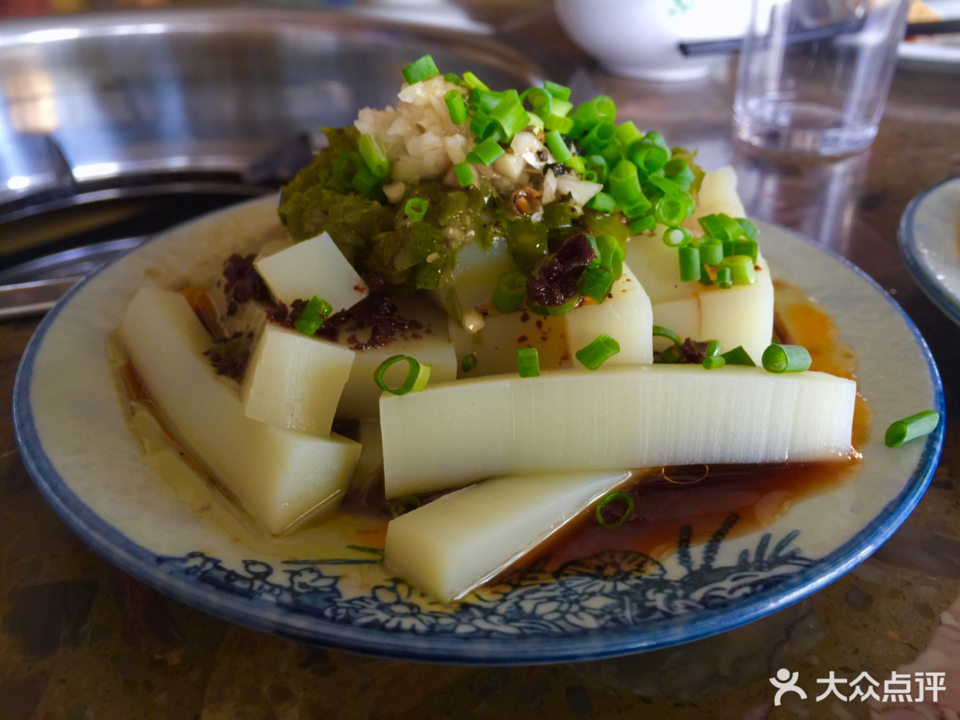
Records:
x=657, y=267
x=429, y=344
x=718, y=194
x=313, y=267
x=627, y=317
x=496, y=344
x=740, y=315
x=279, y=476
x=272, y=248
x=361, y=395
x=681, y=316
x=460, y=540
x=294, y=381
x=622, y=416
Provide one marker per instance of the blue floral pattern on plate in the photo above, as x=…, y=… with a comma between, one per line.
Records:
x=606, y=591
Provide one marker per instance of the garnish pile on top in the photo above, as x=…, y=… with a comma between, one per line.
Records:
x=405, y=189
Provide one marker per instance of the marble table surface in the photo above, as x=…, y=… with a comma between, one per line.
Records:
x=81, y=640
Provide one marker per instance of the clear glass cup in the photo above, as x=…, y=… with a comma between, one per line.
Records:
x=814, y=74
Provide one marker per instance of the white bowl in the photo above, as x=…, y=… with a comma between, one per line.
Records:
x=639, y=38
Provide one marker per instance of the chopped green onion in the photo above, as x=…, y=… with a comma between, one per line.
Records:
x=464, y=174
x=510, y=292
x=596, y=111
x=555, y=310
x=536, y=123
x=483, y=128
x=656, y=159
x=510, y=116
x=675, y=166
x=579, y=128
x=469, y=363
x=786, y=358
x=403, y=505
x=671, y=210
x=712, y=226
x=615, y=497
x=667, y=187
x=528, y=362
x=911, y=428
x=454, y=79
x=422, y=69
x=611, y=255
x=689, y=263
x=374, y=156
x=749, y=229
x=679, y=172
x=741, y=269
x=599, y=137
x=561, y=124
x=738, y=356
x=417, y=376
x=456, y=107
x=721, y=226
x=541, y=102
x=671, y=356
x=365, y=182
x=742, y=247
x=611, y=153
x=575, y=163
x=557, y=146
x=601, y=202
x=598, y=352
x=648, y=156
x=589, y=176
x=711, y=251
x=667, y=333
x=486, y=153
x=712, y=363
x=472, y=81
x=657, y=139
x=561, y=108
x=485, y=100
x=705, y=278
x=713, y=348
x=560, y=92
x=642, y=224
x=724, y=278
x=595, y=282
x=428, y=275
x=416, y=208
x=676, y=237
x=313, y=315
x=599, y=165
x=627, y=134
x=625, y=187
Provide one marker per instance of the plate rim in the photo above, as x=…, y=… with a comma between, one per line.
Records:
x=143, y=565
x=921, y=273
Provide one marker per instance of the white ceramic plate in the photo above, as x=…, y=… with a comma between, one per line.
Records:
x=935, y=52
x=929, y=237
x=327, y=587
